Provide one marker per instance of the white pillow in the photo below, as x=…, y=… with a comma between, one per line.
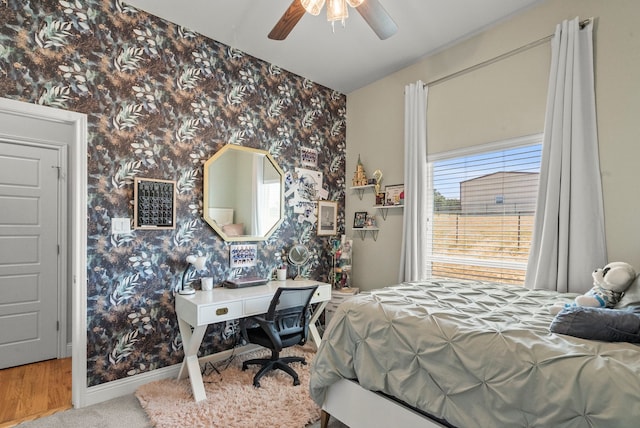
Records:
x=631, y=296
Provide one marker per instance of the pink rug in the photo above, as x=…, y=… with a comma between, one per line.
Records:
x=232, y=400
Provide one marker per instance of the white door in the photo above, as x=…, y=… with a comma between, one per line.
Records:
x=28, y=253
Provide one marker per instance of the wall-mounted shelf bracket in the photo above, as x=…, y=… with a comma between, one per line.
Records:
x=384, y=209
x=363, y=232
x=361, y=189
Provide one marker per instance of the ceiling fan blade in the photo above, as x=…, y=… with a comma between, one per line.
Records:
x=289, y=20
x=377, y=18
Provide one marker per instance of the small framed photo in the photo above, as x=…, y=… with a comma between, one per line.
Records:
x=327, y=218
x=371, y=221
x=359, y=219
x=394, y=195
x=380, y=198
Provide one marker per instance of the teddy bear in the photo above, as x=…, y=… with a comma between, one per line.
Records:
x=609, y=285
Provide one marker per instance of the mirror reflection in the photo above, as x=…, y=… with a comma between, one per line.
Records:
x=243, y=193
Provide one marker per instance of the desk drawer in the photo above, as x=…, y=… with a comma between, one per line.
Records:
x=260, y=305
x=221, y=312
x=257, y=305
x=322, y=294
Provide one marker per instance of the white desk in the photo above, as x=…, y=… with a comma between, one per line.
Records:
x=195, y=312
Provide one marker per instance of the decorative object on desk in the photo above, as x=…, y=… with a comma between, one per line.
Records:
x=170, y=403
x=298, y=256
x=380, y=198
x=281, y=274
x=327, y=218
x=244, y=255
x=207, y=283
x=394, y=194
x=359, y=177
x=193, y=262
x=377, y=175
x=359, y=219
x=154, y=204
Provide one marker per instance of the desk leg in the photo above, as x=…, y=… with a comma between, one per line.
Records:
x=313, y=330
x=191, y=340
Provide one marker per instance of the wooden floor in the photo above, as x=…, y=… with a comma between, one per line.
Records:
x=34, y=390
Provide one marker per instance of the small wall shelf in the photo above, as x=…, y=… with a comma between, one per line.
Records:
x=361, y=189
x=363, y=232
x=383, y=209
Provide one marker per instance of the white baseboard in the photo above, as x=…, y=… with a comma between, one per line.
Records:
x=118, y=388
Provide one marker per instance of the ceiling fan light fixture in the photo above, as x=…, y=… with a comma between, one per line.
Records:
x=337, y=11
x=355, y=3
x=312, y=6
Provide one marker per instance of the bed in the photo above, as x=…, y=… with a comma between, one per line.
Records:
x=469, y=354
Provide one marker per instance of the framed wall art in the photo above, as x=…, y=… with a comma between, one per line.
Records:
x=244, y=255
x=394, y=194
x=327, y=218
x=154, y=203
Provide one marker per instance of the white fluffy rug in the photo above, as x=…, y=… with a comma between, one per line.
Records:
x=232, y=400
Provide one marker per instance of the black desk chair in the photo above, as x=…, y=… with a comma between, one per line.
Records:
x=286, y=324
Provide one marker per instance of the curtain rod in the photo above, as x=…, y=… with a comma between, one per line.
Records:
x=500, y=57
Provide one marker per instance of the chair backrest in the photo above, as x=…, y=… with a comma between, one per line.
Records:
x=289, y=309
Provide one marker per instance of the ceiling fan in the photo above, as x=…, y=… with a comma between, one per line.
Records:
x=371, y=10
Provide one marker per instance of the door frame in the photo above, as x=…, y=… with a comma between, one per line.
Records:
x=77, y=232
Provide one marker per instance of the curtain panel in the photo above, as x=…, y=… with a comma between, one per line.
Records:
x=568, y=240
x=414, y=229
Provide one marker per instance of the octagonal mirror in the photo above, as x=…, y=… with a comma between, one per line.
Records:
x=243, y=193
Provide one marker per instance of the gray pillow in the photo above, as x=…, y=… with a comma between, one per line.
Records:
x=609, y=325
x=631, y=296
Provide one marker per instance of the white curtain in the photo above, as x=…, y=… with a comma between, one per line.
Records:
x=414, y=229
x=568, y=240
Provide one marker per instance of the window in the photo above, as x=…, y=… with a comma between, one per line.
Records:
x=482, y=211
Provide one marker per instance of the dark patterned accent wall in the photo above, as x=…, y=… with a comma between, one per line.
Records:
x=160, y=101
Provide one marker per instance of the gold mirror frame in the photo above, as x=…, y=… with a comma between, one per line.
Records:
x=217, y=180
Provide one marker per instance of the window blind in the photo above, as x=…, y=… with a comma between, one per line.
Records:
x=482, y=214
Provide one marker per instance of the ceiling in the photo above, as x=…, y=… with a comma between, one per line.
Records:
x=348, y=58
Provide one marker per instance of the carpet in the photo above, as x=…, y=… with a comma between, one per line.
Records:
x=232, y=400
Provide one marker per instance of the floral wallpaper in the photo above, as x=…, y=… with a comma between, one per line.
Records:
x=160, y=101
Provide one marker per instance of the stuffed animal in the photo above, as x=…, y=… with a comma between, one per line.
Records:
x=609, y=285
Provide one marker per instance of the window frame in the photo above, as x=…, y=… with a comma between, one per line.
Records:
x=512, y=143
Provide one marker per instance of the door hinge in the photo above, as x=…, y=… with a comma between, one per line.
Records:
x=59, y=168
x=58, y=249
x=57, y=325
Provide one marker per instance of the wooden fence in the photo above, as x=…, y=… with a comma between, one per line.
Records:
x=481, y=237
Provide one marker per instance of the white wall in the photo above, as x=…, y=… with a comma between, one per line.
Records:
x=501, y=101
